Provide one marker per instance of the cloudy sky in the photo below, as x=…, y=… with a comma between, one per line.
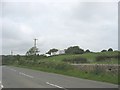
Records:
x=58, y=24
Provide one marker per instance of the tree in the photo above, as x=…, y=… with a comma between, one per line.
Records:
x=87, y=51
x=52, y=51
x=104, y=51
x=32, y=51
x=110, y=49
x=74, y=50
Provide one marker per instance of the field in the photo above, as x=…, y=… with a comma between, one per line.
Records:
x=61, y=64
x=91, y=58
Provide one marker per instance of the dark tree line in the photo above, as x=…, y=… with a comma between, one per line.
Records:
x=70, y=50
x=74, y=50
x=109, y=50
x=52, y=51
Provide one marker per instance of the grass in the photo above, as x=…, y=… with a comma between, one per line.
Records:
x=91, y=57
x=56, y=64
x=103, y=77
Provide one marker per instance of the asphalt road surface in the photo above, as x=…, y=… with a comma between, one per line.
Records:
x=14, y=77
x=1, y=77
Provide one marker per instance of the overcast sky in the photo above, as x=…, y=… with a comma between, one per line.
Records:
x=89, y=25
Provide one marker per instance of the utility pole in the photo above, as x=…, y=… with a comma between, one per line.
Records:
x=35, y=41
x=35, y=45
x=11, y=53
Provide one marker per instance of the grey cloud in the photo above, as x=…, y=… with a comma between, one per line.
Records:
x=93, y=11
x=59, y=25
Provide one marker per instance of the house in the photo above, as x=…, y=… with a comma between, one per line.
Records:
x=58, y=52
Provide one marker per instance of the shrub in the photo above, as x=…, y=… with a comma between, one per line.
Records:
x=63, y=66
x=76, y=60
x=104, y=51
x=55, y=65
x=74, y=50
x=105, y=57
x=110, y=49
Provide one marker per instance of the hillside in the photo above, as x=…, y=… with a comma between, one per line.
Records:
x=62, y=64
x=91, y=58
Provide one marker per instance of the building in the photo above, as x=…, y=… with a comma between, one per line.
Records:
x=58, y=52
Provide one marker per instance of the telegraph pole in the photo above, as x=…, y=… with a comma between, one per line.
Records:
x=35, y=41
x=35, y=45
x=11, y=53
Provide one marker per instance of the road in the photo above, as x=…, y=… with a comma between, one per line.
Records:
x=1, y=86
x=14, y=77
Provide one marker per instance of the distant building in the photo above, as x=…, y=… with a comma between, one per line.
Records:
x=61, y=51
x=47, y=55
x=58, y=52
x=54, y=53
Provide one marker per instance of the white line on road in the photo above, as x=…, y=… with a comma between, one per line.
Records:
x=13, y=70
x=26, y=75
x=1, y=86
x=53, y=85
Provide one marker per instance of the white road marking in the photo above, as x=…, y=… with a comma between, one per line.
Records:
x=13, y=70
x=2, y=86
x=54, y=85
x=26, y=75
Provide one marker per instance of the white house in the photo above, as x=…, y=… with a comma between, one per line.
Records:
x=58, y=52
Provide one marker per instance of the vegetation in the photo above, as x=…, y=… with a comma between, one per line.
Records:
x=71, y=71
x=110, y=49
x=62, y=64
x=74, y=50
x=76, y=60
x=87, y=51
x=32, y=51
x=52, y=51
x=104, y=51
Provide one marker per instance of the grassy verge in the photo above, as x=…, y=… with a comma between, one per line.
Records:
x=103, y=77
x=60, y=64
x=92, y=58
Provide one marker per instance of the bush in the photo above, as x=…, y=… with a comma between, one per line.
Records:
x=104, y=51
x=76, y=60
x=110, y=49
x=55, y=65
x=63, y=66
x=105, y=57
x=87, y=51
x=74, y=50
